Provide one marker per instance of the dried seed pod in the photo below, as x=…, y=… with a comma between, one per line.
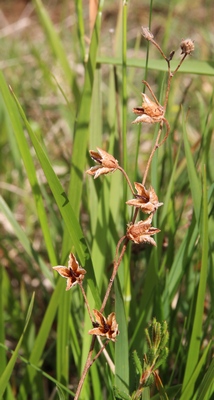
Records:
x=187, y=46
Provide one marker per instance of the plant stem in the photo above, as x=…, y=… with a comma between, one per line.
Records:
x=86, y=368
x=152, y=93
x=152, y=154
x=86, y=301
x=114, y=273
x=127, y=178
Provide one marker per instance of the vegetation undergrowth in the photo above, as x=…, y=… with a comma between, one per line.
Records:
x=138, y=320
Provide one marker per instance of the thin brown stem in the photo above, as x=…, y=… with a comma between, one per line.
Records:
x=100, y=351
x=89, y=362
x=127, y=178
x=107, y=356
x=86, y=301
x=114, y=273
x=118, y=246
x=168, y=85
x=182, y=60
x=170, y=76
x=152, y=154
x=159, y=48
x=86, y=368
x=152, y=93
x=167, y=132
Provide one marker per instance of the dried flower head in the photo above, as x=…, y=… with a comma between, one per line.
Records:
x=149, y=112
x=146, y=33
x=107, y=163
x=74, y=273
x=146, y=200
x=107, y=327
x=142, y=231
x=187, y=46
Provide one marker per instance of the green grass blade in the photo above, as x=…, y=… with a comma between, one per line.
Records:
x=81, y=131
x=188, y=391
x=195, y=341
x=207, y=384
x=6, y=126
x=20, y=234
x=81, y=30
x=195, y=185
x=62, y=350
x=197, y=67
x=2, y=331
x=42, y=336
x=30, y=169
x=49, y=377
x=121, y=345
x=180, y=263
x=60, y=196
x=124, y=85
x=56, y=45
x=4, y=379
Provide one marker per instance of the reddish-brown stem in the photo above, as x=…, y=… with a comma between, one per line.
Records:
x=127, y=178
x=168, y=85
x=86, y=301
x=114, y=273
x=86, y=368
x=118, y=246
x=167, y=132
x=170, y=76
x=100, y=351
x=159, y=48
x=182, y=60
x=152, y=154
x=89, y=362
x=152, y=93
x=107, y=356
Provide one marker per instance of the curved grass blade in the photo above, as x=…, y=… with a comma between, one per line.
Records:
x=195, y=185
x=196, y=67
x=56, y=46
x=195, y=342
x=121, y=345
x=4, y=379
x=43, y=373
x=29, y=166
x=207, y=384
x=188, y=391
x=63, y=203
x=20, y=234
x=60, y=196
x=81, y=130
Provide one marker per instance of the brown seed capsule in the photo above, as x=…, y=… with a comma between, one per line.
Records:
x=187, y=46
x=107, y=327
x=147, y=34
x=146, y=200
x=74, y=273
x=106, y=163
x=149, y=112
